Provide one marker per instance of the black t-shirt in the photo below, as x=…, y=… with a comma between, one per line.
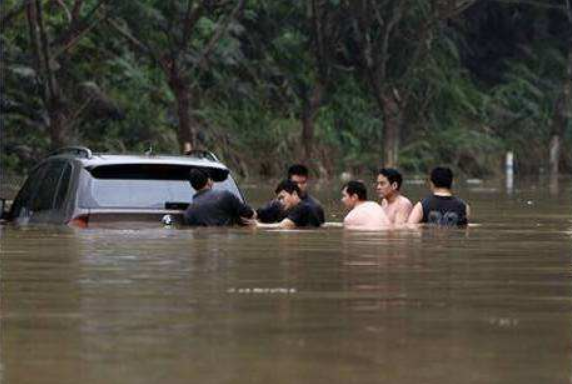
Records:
x=216, y=208
x=444, y=210
x=303, y=215
x=316, y=207
x=273, y=212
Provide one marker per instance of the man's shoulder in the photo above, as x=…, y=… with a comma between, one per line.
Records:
x=370, y=206
x=302, y=212
x=404, y=201
x=311, y=200
x=223, y=194
x=303, y=206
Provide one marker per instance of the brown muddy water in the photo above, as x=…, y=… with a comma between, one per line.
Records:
x=489, y=304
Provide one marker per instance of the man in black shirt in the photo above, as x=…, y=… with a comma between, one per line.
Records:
x=213, y=208
x=274, y=211
x=441, y=207
x=297, y=212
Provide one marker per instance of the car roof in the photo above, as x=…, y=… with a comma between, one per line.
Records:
x=98, y=159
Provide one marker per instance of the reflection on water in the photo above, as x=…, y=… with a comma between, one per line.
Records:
x=489, y=304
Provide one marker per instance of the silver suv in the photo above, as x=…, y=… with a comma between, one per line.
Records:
x=77, y=187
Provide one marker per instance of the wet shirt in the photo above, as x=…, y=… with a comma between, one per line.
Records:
x=444, y=210
x=274, y=213
x=303, y=215
x=216, y=208
x=316, y=207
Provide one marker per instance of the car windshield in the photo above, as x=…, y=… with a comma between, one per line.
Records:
x=149, y=190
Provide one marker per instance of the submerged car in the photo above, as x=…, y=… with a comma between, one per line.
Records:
x=77, y=187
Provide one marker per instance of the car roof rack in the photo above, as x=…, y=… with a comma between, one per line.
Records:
x=202, y=154
x=78, y=151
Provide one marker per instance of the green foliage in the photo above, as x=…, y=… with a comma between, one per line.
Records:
x=351, y=123
x=521, y=109
x=251, y=96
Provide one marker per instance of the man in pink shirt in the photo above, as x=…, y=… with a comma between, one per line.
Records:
x=364, y=215
x=396, y=206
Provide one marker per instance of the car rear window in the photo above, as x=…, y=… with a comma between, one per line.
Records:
x=153, y=172
x=145, y=186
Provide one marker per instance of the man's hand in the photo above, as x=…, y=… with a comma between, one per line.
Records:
x=252, y=222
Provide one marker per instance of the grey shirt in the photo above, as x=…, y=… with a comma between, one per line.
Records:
x=216, y=208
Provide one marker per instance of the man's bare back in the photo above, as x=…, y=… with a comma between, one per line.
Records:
x=398, y=210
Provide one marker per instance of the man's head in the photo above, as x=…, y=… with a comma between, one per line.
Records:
x=299, y=174
x=388, y=182
x=288, y=194
x=199, y=179
x=442, y=177
x=353, y=193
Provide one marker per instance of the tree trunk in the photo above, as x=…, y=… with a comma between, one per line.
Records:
x=311, y=107
x=58, y=123
x=392, y=121
x=186, y=131
x=554, y=154
x=53, y=98
x=561, y=118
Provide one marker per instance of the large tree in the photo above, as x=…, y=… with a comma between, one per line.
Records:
x=54, y=29
x=386, y=41
x=181, y=37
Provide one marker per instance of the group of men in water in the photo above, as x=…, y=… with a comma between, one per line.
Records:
x=293, y=206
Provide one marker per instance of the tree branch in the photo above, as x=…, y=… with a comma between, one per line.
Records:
x=218, y=35
x=50, y=78
x=33, y=33
x=65, y=8
x=397, y=14
x=319, y=40
x=535, y=3
x=11, y=14
x=77, y=36
x=192, y=15
x=140, y=46
x=77, y=28
x=76, y=9
x=143, y=48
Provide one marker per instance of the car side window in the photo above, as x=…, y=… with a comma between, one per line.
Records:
x=45, y=197
x=63, y=186
x=23, y=201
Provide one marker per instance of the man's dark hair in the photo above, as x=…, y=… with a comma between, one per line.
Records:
x=298, y=170
x=288, y=186
x=355, y=187
x=442, y=177
x=198, y=179
x=392, y=175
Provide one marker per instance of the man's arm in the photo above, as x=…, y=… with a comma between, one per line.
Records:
x=242, y=210
x=416, y=214
x=284, y=224
x=270, y=212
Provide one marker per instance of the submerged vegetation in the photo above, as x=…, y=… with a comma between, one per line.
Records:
x=340, y=84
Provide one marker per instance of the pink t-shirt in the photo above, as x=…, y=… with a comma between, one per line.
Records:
x=367, y=216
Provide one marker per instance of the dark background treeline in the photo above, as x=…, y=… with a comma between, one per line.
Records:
x=339, y=84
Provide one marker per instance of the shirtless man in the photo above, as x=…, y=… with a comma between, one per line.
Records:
x=364, y=215
x=396, y=206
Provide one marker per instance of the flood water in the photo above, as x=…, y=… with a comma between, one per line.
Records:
x=489, y=304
